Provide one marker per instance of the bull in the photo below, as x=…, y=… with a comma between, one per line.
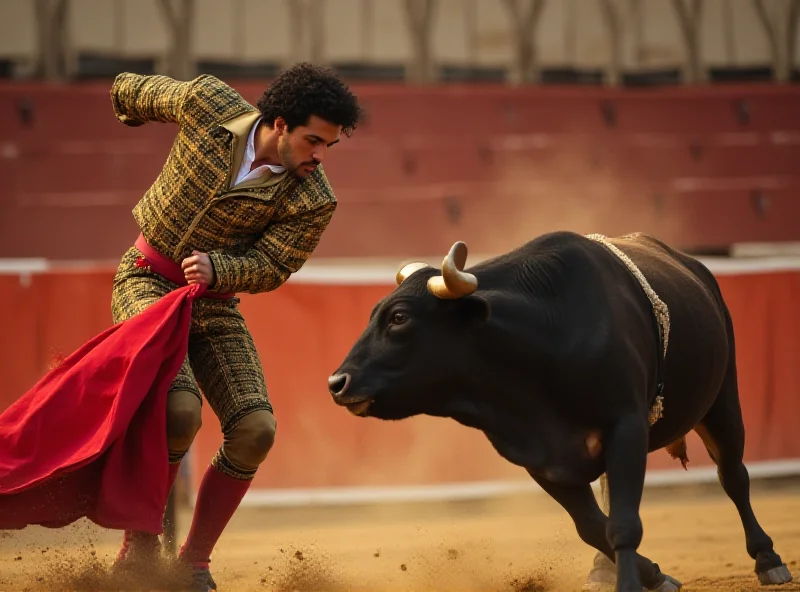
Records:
x=576, y=356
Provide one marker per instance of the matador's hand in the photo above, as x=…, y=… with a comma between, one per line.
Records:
x=197, y=269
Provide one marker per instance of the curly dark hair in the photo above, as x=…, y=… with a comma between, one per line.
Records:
x=305, y=90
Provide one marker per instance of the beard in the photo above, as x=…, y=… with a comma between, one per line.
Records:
x=289, y=163
x=285, y=154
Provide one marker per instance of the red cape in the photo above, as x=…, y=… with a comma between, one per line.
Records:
x=89, y=439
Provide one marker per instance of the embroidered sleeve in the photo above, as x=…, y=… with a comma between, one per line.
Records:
x=281, y=251
x=137, y=99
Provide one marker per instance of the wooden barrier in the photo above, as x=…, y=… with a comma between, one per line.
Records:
x=701, y=166
x=303, y=331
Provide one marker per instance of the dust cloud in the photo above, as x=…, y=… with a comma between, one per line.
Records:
x=519, y=543
x=581, y=187
x=523, y=543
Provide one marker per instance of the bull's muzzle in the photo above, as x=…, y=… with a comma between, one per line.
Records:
x=338, y=384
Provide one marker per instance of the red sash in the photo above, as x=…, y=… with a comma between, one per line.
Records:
x=166, y=267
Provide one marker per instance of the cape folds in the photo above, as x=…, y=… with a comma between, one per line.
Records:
x=89, y=439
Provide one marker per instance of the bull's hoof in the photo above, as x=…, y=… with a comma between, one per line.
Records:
x=597, y=586
x=602, y=577
x=776, y=575
x=669, y=585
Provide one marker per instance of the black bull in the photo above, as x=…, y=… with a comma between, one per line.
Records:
x=554, y=352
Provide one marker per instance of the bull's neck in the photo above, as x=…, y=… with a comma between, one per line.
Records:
x=517, y=437
x=503, y=390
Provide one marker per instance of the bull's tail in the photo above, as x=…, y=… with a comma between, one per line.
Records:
x=678, y=450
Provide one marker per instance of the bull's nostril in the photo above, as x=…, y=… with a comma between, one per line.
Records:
x=338, y=383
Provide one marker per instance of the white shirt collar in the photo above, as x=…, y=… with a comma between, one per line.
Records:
x=244, y=173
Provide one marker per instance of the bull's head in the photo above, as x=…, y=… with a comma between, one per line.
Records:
x=411, y=358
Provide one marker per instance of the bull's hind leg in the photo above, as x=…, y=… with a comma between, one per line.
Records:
x=722, y=431
x=591, y=523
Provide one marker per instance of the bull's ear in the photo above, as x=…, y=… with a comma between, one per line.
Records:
x=475, y=308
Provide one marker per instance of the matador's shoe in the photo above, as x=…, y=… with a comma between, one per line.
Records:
x=138, y=562
x=141, y=563
x=202, y=580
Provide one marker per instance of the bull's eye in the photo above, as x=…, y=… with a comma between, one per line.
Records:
x=399, y=318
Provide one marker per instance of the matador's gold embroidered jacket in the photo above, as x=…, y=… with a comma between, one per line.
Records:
x=256, y=234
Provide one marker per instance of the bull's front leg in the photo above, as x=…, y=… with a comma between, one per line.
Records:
x=626, y=462
x=603, y=575
x=591, y=524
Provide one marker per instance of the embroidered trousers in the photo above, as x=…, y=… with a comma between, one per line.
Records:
x=222, y=364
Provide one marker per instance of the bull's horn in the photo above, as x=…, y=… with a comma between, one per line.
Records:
x=408, y=269
x=454, y=281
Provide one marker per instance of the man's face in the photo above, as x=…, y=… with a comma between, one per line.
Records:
x=306, y=146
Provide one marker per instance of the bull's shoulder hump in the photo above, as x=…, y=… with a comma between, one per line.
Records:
x=675, y=276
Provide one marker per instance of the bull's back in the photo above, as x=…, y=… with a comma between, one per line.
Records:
x=675, y=276
x=698, y=348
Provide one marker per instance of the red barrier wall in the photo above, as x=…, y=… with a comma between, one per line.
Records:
x=697, y=166
x=304, y=330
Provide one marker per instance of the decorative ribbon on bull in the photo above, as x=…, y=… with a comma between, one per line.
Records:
x=454, y=282
x=660, y=310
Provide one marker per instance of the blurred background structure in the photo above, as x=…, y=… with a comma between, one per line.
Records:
x=520, y=41
x=490, y=121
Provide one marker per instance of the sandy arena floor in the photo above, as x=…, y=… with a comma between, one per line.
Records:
x=524, y=544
